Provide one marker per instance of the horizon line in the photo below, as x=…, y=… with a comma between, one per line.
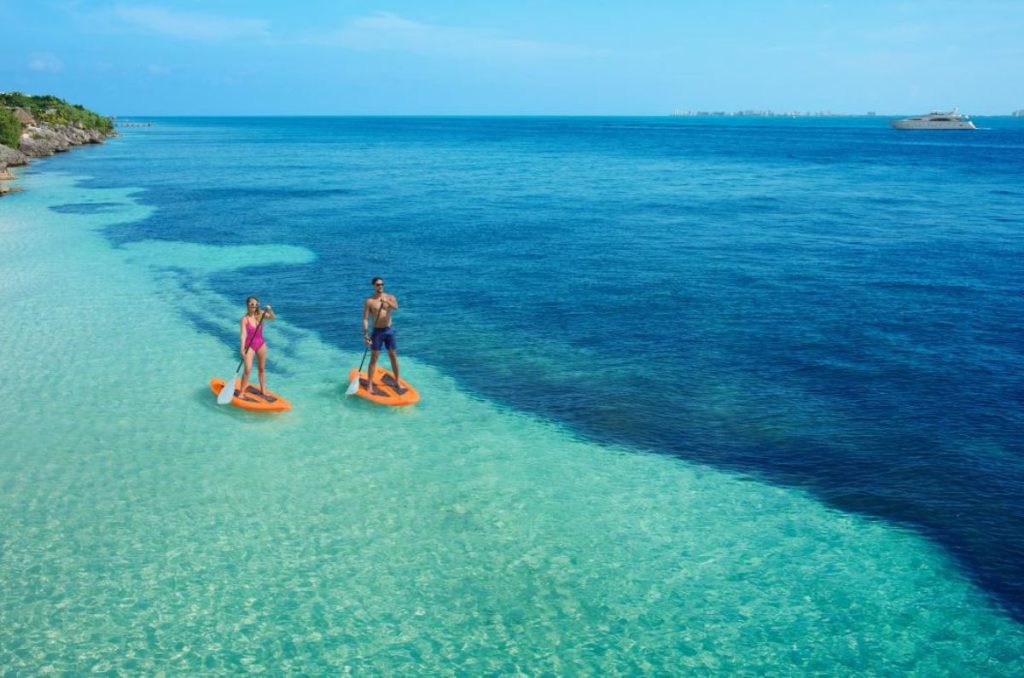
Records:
x=716, y=114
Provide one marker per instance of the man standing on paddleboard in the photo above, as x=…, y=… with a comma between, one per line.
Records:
x=379, y=306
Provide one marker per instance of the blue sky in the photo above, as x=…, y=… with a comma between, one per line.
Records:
x=234, y=57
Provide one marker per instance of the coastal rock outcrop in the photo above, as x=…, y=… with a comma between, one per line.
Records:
x=38, y=141
x=5, y=176
x=35, y=126
x=41, y=140
x=10, y=157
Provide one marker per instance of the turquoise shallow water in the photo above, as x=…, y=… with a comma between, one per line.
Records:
x=144, y=529
x=825, y=304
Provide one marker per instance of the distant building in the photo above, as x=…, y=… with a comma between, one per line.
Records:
x=23, y=116
x=1019, y=113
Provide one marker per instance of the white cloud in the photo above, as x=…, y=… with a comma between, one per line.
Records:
x=45, y=62
x=386, y=31
x=190, y=25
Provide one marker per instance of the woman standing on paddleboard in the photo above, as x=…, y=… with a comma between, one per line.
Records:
x=253, y=343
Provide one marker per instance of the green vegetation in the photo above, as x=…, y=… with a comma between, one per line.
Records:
x=10, y=128
x=49, y=109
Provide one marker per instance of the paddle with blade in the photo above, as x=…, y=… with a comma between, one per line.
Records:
x=228, y=390
x=353, y=386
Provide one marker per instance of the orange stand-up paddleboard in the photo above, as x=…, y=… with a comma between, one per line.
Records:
x=386, y=391
x=253, y=399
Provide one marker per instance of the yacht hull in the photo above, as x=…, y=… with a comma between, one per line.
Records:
x=924, y=124
x=937, y=121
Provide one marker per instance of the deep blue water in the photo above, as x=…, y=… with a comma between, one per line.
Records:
x=825, y=303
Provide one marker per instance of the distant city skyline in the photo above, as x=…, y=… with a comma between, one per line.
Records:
x=236, y=57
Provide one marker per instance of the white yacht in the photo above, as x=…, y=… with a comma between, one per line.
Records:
x=952, y=120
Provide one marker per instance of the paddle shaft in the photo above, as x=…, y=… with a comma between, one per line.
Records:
x=379, y=309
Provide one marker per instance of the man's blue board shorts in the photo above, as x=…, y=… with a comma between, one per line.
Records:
x=383, y=336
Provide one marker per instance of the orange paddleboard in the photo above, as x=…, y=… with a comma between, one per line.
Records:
x=253, y=400
x=385, y=390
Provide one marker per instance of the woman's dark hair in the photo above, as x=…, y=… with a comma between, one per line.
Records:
x=248, y=299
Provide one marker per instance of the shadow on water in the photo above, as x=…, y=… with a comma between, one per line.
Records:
x=87, y=208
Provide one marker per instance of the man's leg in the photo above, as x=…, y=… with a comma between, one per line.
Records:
x=370, y=370
x=394, y=363
x=399, y=389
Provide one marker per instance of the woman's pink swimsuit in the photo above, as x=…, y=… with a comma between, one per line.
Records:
x=253, y=336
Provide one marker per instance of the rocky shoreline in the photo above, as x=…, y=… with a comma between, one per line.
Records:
x=40, y=139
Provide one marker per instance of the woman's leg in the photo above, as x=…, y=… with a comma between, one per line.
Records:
x=261, y=358
x=245, y=374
